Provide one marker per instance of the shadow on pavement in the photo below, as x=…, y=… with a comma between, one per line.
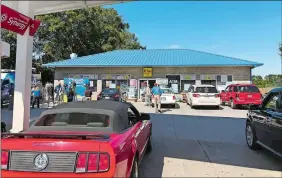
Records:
x=172, y=157
x=197, y=142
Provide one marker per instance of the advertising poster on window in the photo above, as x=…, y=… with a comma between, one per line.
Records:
x=80, y=85
x=133, y=83
x=174, y=82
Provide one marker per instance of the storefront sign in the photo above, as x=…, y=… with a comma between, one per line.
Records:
x=148, y=72
x=162, y=81
x=208, y=77
x=123, y=76
x=16, y=22
x=188, y=77
x=108, y=77
x=89, y=76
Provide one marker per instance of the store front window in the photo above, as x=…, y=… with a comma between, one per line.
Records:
x=93, y=84
x=174, y=82
x=185, y=84
x=108, y=84
x=121, y=83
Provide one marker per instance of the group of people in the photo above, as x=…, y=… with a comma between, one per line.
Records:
x=66, y=90
x=156, y=92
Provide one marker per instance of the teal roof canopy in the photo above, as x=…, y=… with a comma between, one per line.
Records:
x=154, y=58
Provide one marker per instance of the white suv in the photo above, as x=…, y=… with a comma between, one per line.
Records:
x=203, y=95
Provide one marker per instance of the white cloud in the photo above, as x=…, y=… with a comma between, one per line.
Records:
x=174, y=46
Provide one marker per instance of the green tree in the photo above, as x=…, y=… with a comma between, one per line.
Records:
x=11, y=38
x=85, y=32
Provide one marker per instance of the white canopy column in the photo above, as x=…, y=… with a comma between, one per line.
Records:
x=21, y=111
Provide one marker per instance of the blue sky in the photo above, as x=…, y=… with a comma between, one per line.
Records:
x=246, y=30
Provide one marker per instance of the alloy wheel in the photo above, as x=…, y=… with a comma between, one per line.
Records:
x=249, y=135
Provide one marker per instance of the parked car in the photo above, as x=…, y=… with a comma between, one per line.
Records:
x=203, y=95
x=111, y=94
x=241, y=95
x=167, y=98
x=79, y=139
x=264, y=123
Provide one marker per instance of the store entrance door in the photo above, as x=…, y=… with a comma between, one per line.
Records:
x=143, y=85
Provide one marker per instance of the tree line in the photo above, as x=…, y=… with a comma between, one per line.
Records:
x=84, y=32
x=268, y=81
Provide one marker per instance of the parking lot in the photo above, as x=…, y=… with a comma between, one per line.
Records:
x=199, y=143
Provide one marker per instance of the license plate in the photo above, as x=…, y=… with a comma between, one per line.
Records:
x=249, y=96
x=107, y=97
x=163, y=98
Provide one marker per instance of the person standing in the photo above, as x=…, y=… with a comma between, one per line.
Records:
x=156, y=91
x=74, y=91
x=36, y=97
x=58, y=91
x=70, y=95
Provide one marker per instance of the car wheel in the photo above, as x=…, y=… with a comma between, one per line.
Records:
x=233, y=106
x=251, y=137
x=149, y=146
x=173, y=105
x=135, y=169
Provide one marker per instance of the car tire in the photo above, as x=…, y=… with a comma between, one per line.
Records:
x=173, y=105
x=135, y=169
x=251, y=137
x=232, y=105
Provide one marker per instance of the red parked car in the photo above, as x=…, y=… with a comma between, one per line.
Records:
x=79, y=139
x=240, y=95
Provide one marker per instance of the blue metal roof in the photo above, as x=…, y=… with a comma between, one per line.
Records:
x=153, y=58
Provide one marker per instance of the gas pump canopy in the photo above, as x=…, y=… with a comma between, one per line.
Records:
x=46, y=7
x=21, y=110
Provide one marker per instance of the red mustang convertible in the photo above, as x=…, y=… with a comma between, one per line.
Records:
x=79, y=139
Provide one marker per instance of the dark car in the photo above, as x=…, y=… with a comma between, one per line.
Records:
x=264, y=123
x=110, y=94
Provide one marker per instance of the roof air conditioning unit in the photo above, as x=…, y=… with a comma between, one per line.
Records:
x=73, y=55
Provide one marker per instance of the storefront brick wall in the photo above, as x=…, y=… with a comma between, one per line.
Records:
x=238, y=73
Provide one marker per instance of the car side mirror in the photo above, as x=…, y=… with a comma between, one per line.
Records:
x=255, y=107
x=145, y=117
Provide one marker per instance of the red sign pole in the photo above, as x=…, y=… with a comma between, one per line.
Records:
x=17, y=22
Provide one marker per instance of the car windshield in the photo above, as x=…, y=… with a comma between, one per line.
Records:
x=109, y=91
x=167, y=91
x=206, y=90
x=251, y=89
x=74, y=119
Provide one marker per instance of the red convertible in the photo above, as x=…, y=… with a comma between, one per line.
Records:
x=79, y=139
